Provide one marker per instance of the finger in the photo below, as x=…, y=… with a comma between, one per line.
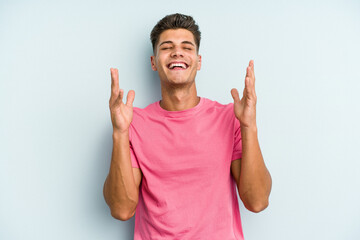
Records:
x=249, y=91
x=235, y=95
x=251, y=63
x=115, y=93
x=114, y=81
x=252, y=72
x=248, y=71
x=121, y=95
x=112, y=72
x=248, y=76
x=247, y=85
x=130, y=98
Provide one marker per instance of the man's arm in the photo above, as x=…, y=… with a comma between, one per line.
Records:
x=252, y=177
x=121, y=187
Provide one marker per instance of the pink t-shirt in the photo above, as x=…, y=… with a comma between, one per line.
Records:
x=187, y=190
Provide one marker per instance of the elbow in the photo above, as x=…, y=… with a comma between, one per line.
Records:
x=123, y=210
x=257, y=206
x=121, y=215
x=255, y=203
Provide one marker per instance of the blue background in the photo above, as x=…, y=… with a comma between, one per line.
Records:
x=55, y=128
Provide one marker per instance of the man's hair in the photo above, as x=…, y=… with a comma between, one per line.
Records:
x=175, y=21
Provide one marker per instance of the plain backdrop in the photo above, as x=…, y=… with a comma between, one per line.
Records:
x=55, y=128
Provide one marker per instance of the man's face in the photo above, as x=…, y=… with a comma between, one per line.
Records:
x=176, y=58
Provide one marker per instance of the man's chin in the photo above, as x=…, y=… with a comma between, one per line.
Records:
x=177, y=81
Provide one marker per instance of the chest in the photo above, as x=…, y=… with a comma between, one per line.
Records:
x=185, y=147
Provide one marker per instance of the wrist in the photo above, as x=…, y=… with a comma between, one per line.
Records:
x=249, y=127
x=118, y=134
x=249, y=131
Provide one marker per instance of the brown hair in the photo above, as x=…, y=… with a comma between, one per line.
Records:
x=175, y=21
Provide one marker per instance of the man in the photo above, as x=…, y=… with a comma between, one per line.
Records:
x=178, y=162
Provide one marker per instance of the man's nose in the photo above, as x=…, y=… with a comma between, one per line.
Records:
x=177, y=52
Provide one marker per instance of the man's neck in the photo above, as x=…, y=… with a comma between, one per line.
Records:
x=178, y=99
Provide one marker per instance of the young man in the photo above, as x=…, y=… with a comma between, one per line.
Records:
x=179, y=162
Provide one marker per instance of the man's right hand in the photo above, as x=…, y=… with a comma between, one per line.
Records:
x=121, y=114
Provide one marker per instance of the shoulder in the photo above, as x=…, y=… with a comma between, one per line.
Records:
x=217, y=106
x=144, y=111
x=140, y=119
x=219, y=112
x=141, y=114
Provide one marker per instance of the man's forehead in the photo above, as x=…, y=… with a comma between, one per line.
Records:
x=177, y=36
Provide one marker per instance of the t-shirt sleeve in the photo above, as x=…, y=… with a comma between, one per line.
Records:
x=134, y=161
x=237, y=151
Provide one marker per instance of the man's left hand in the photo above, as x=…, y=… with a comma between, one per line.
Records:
x=245, y=109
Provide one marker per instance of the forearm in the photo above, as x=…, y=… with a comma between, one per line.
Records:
x=120, y=191
x=255, y=181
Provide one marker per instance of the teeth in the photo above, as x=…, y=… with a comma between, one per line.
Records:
x=182, y=65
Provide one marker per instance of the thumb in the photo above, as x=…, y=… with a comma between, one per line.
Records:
x=130, y=98
x=235, y=95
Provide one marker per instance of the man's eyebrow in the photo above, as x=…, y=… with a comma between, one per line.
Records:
x=188, y=42
x=170, y=42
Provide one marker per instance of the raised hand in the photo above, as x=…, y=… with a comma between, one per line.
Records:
x=121, y=114
x=245, y=109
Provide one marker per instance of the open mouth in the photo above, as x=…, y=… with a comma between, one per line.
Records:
x=177, y=66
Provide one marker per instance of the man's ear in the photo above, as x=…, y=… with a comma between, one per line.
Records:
x=199, y=63
x=153, y=65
